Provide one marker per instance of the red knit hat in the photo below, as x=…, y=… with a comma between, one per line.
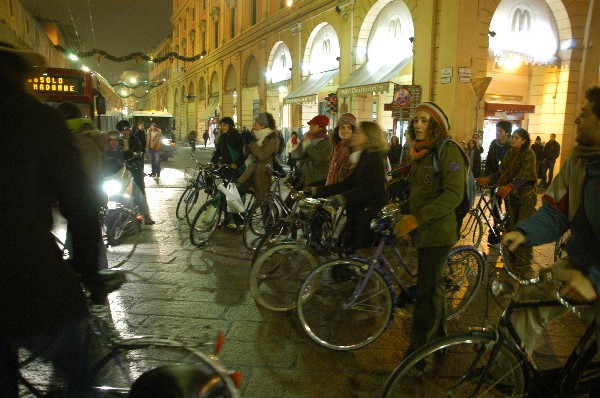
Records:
x=320, y=120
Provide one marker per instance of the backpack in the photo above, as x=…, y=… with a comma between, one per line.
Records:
x=469, y=196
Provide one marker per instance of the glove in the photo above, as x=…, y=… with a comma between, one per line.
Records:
x=504, y=190
x=338, y=200
x=483, y=180
x=405, y=225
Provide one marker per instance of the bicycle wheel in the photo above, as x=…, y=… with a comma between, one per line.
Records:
x=454, y=367
x=259, y=219
x=197, y=198
x=121, y=234
x=180, y=209
x=471, y=230
x=462, y=277
x=278, y=273
x=116, y=372
x=205, y=222
x=324, y=309
x=282, y=232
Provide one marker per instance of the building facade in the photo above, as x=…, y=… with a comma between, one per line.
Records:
x=528, y=61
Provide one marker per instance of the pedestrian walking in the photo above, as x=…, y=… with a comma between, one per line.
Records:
x=205, y=137
x=154, y=145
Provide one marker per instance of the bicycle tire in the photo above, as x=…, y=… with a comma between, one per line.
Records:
x=180, y=209
x=322, y=298
x=130, y=358
x=120, y=234
x=471, y=231
x=282, y=232
x=256, y=225
x=205, y=222
x=278, y=274
x=453, y=366
x=197, y=198
x=463, y=275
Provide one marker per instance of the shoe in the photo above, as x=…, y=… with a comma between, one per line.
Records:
x=151, y=175
x=148, y=220
x=157, y=175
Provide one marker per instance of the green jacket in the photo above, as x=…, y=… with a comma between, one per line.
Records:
x=315, y=159
x=434, y=198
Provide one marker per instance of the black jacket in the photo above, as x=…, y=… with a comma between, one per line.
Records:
x=222, y=153
x=365, y=194
x=495, y=156
x=551, y=150
x=41, y=166
x=141, y=136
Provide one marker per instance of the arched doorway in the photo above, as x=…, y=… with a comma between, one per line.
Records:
x=250, y=101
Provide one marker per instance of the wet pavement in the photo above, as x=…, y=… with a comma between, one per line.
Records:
x=182, y=291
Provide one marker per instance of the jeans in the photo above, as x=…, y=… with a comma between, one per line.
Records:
x=155, y=160
x=67, y=347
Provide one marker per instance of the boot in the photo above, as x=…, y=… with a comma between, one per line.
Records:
x=148, y=220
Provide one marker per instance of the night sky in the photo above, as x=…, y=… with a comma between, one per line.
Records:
x=120, y=27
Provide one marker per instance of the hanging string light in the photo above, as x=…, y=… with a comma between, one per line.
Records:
x=137, y=56
x=134, y=86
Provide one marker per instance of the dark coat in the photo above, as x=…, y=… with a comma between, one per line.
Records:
x=222, y=153
x=365, y=194
x=494, y=157
x=141, y=136
x=40, y=166
x=474, y=155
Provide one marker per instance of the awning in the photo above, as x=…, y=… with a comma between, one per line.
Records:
x=372, y=77
x=508, y=107
x=308, y=89
x=210, y=109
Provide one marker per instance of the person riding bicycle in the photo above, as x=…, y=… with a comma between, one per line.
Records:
x=42, y=305
x=571, y=202
x=230, y=151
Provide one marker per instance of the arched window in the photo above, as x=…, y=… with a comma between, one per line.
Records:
x=326, y=47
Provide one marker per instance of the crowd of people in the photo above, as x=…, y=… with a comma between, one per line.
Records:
x=66, y=159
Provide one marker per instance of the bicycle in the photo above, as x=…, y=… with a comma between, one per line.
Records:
x=280, y=269
x=491, y=362
x=487, y=212
x=196, y=193
x=264, y=215
x=347, y=303
x=208, y=216
x=126, y=366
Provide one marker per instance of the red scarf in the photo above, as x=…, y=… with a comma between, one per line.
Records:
x=315, y=135
x=294, y=140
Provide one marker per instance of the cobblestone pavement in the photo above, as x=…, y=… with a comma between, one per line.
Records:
x=182, y=291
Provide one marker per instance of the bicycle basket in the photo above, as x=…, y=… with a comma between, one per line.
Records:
x=190, y=174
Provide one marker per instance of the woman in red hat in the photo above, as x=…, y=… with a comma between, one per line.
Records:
x=314, y=152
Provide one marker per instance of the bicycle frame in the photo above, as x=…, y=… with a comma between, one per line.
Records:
x=378, y=257
x=487, y=207
x=569, y=373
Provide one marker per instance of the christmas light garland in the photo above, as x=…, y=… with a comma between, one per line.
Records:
x=144, y=83
x=129, y=95
x=137, y=57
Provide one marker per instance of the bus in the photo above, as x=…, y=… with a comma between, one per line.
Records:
x=94, y=96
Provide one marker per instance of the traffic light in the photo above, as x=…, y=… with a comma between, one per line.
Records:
x=333, y=104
